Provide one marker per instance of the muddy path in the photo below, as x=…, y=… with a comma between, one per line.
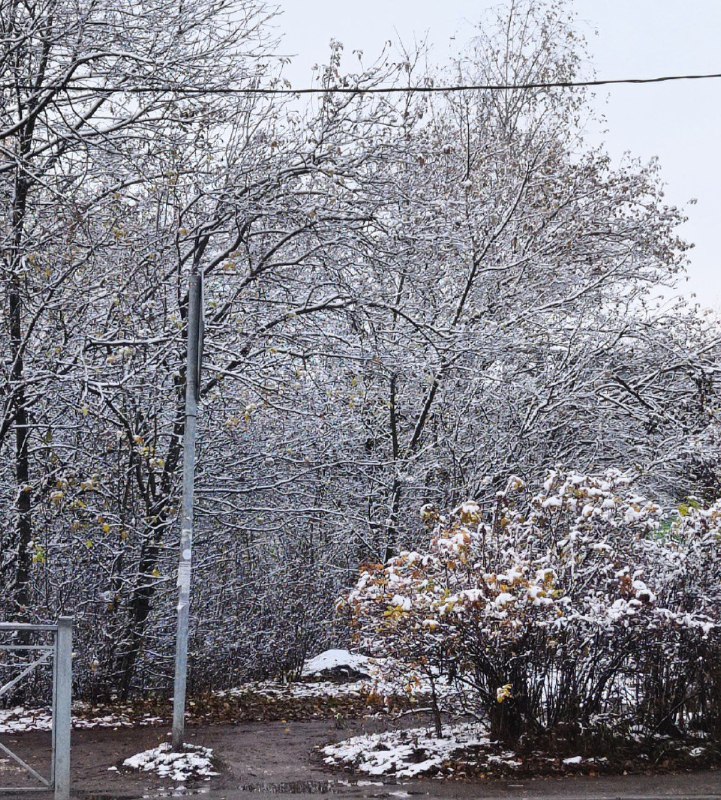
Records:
x=252, y=755
x=269, y=759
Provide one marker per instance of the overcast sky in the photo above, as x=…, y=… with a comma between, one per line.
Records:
x=680, y=123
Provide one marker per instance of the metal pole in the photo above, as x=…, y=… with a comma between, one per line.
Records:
x=62, y=721
x=186, y=530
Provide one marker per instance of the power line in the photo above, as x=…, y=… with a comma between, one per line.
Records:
x=357, y=90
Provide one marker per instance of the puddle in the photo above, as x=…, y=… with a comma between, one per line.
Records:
x=367, y=789
x=293, y=787
x=327, y=787
x=150, y=794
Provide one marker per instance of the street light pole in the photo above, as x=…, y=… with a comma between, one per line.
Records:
x=192, y=377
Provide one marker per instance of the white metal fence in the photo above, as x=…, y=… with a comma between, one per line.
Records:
x=25, y=645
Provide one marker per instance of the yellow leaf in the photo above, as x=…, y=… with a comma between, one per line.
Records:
x=504, y=692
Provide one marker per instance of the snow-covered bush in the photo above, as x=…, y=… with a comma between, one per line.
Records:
x=577, y=606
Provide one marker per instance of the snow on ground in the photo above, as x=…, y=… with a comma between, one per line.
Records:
x=332, y=663
x=338, y=659
x=195, y=762
x=275, y=690
x=385, y=678
x=413, y=752
x=21, y=719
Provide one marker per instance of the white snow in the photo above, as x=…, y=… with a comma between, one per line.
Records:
x=387, y=678
x=20, y=719
x=194, y=762
x=330, y=659
x=275, y=690
x=503, y=599
x=409, y=753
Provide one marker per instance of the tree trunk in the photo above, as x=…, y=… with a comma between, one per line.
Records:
x=23, y=502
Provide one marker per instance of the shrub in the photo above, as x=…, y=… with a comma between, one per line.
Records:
x=577, y=607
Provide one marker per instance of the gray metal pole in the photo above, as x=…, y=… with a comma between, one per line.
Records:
x=186, y=530
x=63, y=708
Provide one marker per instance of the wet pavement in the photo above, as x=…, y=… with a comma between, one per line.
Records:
x=692, y=786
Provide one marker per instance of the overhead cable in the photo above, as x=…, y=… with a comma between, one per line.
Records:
x=353, y=90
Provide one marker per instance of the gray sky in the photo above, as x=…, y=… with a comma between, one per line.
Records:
x=680, y=123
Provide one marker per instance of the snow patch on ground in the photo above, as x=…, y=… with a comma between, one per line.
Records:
x=337, y=659
x=275, y=690
x=409, y=753
x=20, y=719
x=387, y=678
x=193, y=763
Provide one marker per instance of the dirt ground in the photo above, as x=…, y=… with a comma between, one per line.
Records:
x=265, y=759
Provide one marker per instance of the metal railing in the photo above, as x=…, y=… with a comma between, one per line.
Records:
x=60, y=651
